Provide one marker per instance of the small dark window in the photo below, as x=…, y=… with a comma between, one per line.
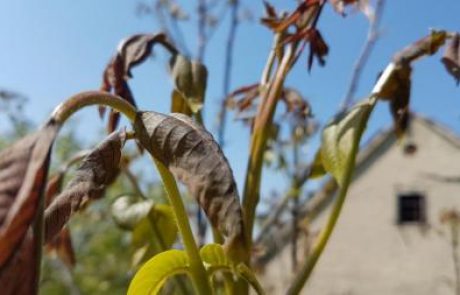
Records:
x=411, y=208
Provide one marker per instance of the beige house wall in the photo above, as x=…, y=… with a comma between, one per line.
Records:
x=369, y=253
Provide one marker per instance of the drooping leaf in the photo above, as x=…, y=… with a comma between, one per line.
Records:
x=340, y=140
x=61, y=245
x=394, y=84
x=161, y=219
x=98, y=169
x=317, y=167
x=179, y=105
x=131, y=52
x=396, y=90
x=154, y=273
x=158, y=231
x=215, y=259
x=190, y=78
x=18, y=275
x=428, y=45
x=451, y=58
x=23, y=172
x=153, y=226
x=318, y=49
x=193, y=156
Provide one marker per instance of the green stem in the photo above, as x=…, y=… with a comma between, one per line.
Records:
x=198, y=272
x=318, y=248
x=66, y=109
x=158, y=241
x=258, y=145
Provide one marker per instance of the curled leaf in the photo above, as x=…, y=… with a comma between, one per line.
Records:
x=98, y=169
x=318, y=48
x=23, y=172
x=131, y=52
x=193, y=156
x=61, y=245
x=215, y=259
x=154, y=273
x=178, y=104
x=156, y=233
x=394, y=83
x=451, y=58
x=341, y=138
x=428, y=45
x=190, y=78
x=17, y=275
x=396, y=89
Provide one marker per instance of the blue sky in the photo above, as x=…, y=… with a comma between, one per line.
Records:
x=51, y=49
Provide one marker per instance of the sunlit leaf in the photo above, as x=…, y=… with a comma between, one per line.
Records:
x=153, y=274
x=317, y=167
x=179, y=105
x=340, y=140
x=193, y=156
x=158, y=231
x=215, y=259
x=190, y=78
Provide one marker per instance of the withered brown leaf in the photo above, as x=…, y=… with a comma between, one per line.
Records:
x=98, y=170
x=193, y=156
x=451, y=58
x=23, y=172
x=396, y=85
x=131, y=52
x=61, y=245
x=18, y=275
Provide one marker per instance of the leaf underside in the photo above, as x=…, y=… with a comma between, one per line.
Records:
x=193, y=156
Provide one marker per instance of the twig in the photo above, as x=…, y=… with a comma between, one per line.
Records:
x=372, y=36
x=222, y=117
x=202, y=13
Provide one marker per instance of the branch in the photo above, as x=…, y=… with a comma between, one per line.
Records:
x=372, y=36
x=222, y=116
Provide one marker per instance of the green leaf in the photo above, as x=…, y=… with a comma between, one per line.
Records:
x=127, y=211
x=154, y=273
x=215, y=259
x=341, y=138
x=190, y=78
x=158, y=231
x=317, y=168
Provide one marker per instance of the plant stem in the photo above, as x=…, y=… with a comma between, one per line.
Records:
x=318, y=248
x=198, y=272
x=322, y=240
x=258, y=144
x=66, y=109
x=39, y=232
x=372, y=36
x=222, y=116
